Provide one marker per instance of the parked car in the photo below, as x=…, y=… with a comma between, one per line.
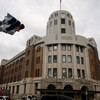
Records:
x=29, y=97
x=5, y=98
x=56, y=97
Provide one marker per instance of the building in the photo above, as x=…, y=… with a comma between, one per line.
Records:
x=59, y=63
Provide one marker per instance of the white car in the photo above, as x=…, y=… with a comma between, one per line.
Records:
x=29, y=97
x=5, y=98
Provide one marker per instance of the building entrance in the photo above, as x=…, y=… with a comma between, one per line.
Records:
x=69, y=88
x=84, y=95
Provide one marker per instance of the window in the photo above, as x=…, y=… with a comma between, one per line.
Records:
x=27, y=62
x=56, y=14
x=55, y=58
x=55, y=22
x=55, y=47
x=69, y=22
x=49, y=72
x=64, y=72
x=9, y=88
x=83, y=73
x=16, y=69
x=38, y=49
x=78, y=73
x=50, y=48
x=28, y=52
x=78, y=59
x=24, y=88
x=63, y=58
x=37, y=60
x=20, y=68
x=15, y=79
x=81, y=49
x=54, y=72
x=63, y=21
x=26, y=74
x=63, y=30
x=20, y=60
x=17, y=91
x=82, y=60
x=19, y=77
x=37, y=73
x=63, y=47
x=68, y=15
x=13, y=89
x=69, y=58
x=49, y=59
x=69, y=47
x=36, y=87
x=50, y=23
x=69, y=72
x=77, y=48
x=11, y=79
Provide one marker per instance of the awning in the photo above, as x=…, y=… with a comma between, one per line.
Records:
x=67, y=91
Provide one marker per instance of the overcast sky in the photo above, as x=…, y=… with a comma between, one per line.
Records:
x=34, y=14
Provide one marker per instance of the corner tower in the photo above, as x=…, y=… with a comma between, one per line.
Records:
x=61, y=23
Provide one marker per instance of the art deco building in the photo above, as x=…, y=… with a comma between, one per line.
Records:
x=60, y=63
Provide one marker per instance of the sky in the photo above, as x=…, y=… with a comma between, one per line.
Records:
x=34, y=15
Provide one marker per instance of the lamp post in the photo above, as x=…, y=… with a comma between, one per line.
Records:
x=86, y=93
x=95, y=91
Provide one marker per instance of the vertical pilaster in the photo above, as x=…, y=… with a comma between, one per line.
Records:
x=74, y=62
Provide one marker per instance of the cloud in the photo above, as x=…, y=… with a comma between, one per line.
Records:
x=34, y=14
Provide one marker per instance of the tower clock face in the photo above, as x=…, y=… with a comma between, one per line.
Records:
x=62, y=15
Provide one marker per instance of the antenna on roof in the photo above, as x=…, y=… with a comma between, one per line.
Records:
x=60, y=4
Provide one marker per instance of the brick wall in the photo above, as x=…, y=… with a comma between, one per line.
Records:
x=94, y=64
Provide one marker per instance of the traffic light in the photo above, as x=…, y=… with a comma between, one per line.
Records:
x=86, y=93
x=10, y=25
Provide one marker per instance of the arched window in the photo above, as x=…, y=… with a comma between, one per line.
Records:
x=51, y=87
x=84, y=88
x=68, y=88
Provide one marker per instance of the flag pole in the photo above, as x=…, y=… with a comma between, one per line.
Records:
x=60, y=4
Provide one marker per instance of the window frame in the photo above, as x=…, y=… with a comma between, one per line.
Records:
x=78, y=59
x=49, y=47
x=63, y=58
x=49, y=59
x=82, y=60
x=49, y=72
x=54, y=71
x=77, y=48
x=64, y=74
x=69, y=58
x=79, y=73
x=83, y=73
x=68, y=47
x=55, y=47
x=63, y=21
x=54, y=58
x=63, y=47
x=63, y=30
x=70, y=72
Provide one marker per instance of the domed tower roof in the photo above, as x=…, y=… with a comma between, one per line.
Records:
x=61, y=22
